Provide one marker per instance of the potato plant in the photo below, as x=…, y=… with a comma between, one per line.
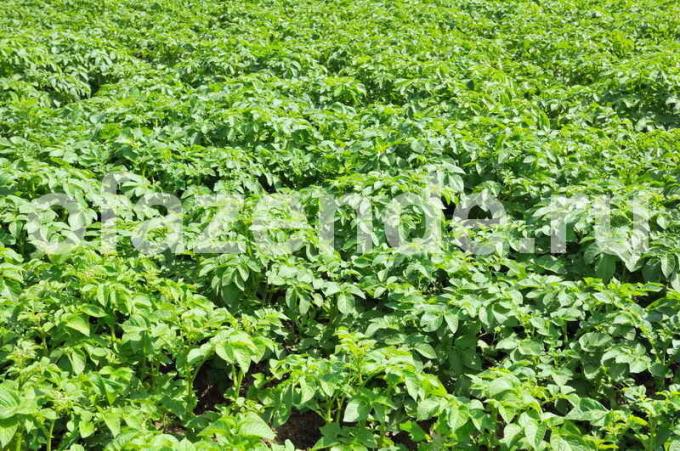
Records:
x=339, y=225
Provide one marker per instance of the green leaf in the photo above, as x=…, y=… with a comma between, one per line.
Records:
x=112, y=421
x=667, y=264
x=346, y=304
x=431, y=321
x=534, y=431
x=499, y=386
x=530, y=347
x=198, y=355
x=254, y=426
x=511, y=433
x=355, y=411
x=78, y=361
x=674, y=444
x=606, y=267
x=93, y=310
x=593, y=341
x=8, y=427
x=9, y=402
x=426, y=350
x=80, y=324
x=86, y=428
x=415, y=432
x=587, y=409
x=451, y=321
x=560, y=442
x=427, y=408
x=225, y=351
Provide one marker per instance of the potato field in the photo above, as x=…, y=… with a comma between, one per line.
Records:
x=340, y=225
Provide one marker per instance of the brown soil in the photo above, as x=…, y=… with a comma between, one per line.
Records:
x=403, y=438
x=302, y=429
x=207, y=391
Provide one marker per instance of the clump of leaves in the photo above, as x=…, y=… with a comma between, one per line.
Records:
x=107, y=347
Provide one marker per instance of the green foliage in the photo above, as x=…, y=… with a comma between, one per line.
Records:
x=520, y=100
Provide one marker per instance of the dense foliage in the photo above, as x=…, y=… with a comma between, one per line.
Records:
x=518, y=100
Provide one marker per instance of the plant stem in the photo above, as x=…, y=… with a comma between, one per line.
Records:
x=49, y=436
